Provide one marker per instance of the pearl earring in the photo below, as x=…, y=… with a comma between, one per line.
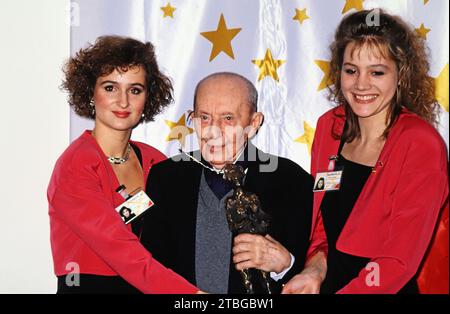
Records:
x=91, y=103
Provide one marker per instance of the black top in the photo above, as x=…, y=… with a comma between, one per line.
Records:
x=97, y=284
x=283, y=188
x=336, y=208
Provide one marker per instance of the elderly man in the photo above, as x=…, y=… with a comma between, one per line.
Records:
x=187, y=228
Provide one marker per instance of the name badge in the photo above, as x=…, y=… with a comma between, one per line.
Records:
x=327, y=181
x=134, y=206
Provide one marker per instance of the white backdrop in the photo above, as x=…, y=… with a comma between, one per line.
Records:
x=297, y=33
x=34, y=131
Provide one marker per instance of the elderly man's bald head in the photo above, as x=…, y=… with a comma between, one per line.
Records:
x=225, y=116
x=252, y=93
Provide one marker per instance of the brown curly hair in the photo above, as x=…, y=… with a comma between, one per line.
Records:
x=107, y=54
x=391, y=38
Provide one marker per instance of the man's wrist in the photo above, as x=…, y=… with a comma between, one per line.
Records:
x=277, y=276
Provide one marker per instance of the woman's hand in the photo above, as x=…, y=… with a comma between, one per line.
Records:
x=264, y=253
x=307, y=282
x=310, y=279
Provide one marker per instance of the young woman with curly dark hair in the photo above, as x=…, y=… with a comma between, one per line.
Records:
x=372, y=234
x=117, y=83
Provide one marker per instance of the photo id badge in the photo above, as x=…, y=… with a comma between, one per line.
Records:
x=134, y=206
x=328, y=181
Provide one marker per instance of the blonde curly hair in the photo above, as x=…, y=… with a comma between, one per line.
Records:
x=392, y=38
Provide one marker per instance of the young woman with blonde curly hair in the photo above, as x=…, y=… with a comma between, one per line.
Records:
x=371, y=235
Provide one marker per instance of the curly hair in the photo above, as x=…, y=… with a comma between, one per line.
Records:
x=107, y=54
x=391, y=38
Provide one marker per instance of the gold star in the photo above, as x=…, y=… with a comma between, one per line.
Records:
x=268, y=66
x=168, y=10
x=353, y=4
x=442, y=88
x=300, y=15
x=178, y=130
x=221, y=39
x=307, y=137
x=422, y=31
x=325, y=67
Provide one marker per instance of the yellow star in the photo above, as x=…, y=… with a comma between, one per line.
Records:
x=178, y=130
x=353, y=4
x=307, y=137
x=422, y=31
x=325, y=67
x=268, y=66
x=168, y=10
x=300, y=15
x=442, y=88
x=221, y=39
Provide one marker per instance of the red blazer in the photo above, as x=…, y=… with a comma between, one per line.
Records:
x=86, y=229
x=433, y=276
x=393, y=219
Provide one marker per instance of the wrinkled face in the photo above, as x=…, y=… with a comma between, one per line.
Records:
x=119, y=99
x=368, y=81
x=223, y=119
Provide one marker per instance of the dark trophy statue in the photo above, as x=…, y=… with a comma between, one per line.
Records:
x=244, y=215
